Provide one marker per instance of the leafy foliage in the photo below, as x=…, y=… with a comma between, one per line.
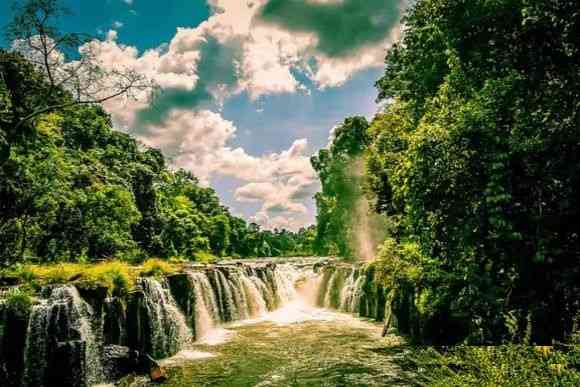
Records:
x=506, y=365
x=475, y=162
x=341, y=176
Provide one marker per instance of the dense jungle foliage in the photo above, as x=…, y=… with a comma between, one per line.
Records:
x=72, y=189
x=475, y=164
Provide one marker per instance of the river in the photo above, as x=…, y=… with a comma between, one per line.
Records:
x=296, y=345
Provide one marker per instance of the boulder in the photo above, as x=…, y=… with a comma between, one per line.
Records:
x=138, y=324
x=119, y=361
x=114, y=322
x=153, y=369
x=14, y=326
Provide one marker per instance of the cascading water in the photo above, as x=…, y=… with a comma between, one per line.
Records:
x=67, y=338
x=168, y=329
x=232, y=292
x=64, y=318
x=352, y=291
x=228, y=310
x=206, y=307
x=285, y=277
x=342, y=289
x=256, y=299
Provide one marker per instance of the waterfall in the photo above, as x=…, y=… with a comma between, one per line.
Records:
x=168, y=328
x=206, y=307
x=256, y=300
x=66, y=338
x=351, y=293
x=285, y=277
x=333, y=290
x=228, y=310
x=342, y=289
x=60, y=327
x=227, y=293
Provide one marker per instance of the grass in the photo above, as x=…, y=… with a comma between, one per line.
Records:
x=155, y=267
x=203, y=257
x=505, y=365
x=117, y=276
x=19, y=302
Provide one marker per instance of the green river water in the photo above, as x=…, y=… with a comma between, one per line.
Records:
x=297, y=345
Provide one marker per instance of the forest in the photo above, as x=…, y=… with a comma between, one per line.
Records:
x=473, y=163
x=75, y=190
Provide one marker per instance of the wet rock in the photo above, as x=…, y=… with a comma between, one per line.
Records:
x=114, y=322
x=153, y=369
x=119, y=361
x=95, y=296
x=67, y=367
x=182, y=291
x=138, y=325
x=13, y=326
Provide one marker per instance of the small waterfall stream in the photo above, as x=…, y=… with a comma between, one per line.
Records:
x=168, y=328
x=206, y=307
x=60, y=330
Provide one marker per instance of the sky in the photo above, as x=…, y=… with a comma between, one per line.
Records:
x=249, y=89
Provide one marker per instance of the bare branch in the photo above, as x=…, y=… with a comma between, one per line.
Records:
x=34, y=34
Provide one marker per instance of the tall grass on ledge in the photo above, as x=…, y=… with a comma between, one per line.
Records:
x=117, y=276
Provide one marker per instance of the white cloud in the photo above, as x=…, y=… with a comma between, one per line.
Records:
x=269, y=54
x=266, y=63
x=200, y=142
x=112, y=35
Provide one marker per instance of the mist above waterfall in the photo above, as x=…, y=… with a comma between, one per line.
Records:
x=368, y=228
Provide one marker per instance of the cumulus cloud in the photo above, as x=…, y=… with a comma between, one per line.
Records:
x=257, y=47
x=340, y=26
x=200, y=141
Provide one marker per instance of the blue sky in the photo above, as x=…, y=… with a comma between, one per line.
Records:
x=250, y=90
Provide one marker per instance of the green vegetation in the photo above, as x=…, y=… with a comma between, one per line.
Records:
x=156, y=267
x=506, y=365
x=473, y=164
x=18, y=302
x=339, y=169
x=118, y=277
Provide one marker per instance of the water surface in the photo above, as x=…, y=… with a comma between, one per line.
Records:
x=297, y=345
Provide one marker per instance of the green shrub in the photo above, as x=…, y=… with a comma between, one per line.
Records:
x=506, y=365
x=204, y=257
x=117, y=276
x=19, y=302
x=154, y=267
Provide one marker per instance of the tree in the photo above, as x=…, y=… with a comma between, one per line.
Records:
x=67, y=60
x=475, y=161
x=340, y=171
